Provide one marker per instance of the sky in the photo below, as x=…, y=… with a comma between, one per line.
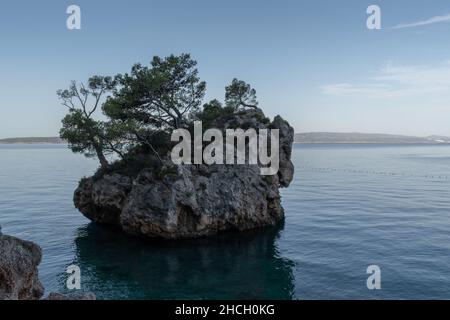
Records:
x=313, y=62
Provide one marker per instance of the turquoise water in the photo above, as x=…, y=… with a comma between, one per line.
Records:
x=350, y=206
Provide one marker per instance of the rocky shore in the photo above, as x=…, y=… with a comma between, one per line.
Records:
x=19, y=278
x=188, y=201
x=19, y=261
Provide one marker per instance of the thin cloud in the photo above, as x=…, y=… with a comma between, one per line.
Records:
x=397, y=82
x=433, y=20
x=347, y=89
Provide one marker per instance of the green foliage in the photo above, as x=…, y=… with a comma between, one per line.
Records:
x=262, y=119
x=212, y=111
x=239, y=94
x=140, y=110
x=83, y=133
x=80, y=132
x=160, y=96
x=132, y=166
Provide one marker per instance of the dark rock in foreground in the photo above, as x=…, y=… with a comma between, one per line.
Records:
x=192, y=200
x=19, y=260
x=19, y=280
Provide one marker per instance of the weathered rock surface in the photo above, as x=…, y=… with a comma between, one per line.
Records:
x=193, y=200
x=19, y=260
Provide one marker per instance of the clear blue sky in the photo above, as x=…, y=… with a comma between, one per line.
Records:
x=313, y=62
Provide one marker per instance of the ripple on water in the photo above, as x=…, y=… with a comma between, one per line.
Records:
x=348, y=207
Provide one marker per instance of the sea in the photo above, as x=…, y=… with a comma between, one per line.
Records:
x=350, y=208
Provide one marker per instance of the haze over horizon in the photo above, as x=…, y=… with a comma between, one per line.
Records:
x=309, y=132
x=315, y=63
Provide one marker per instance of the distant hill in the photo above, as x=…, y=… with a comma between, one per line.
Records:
x=32, y=140
x=354, y=137
x=309, y=137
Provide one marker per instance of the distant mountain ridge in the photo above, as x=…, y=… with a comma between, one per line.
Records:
x=355, y=137
x=307, y=137
x=32, y=140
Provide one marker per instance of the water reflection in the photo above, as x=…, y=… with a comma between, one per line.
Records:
x=229, y=266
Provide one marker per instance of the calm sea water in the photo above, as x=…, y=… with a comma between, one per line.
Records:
x=350, y=206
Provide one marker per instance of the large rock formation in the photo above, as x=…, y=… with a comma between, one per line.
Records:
x=19, y=260
x=192, y=200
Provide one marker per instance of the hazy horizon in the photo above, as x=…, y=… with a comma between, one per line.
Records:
x=305, y=132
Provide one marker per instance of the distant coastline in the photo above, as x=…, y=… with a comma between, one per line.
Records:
x=305, y=138
x=33, y=140
x=365, y=138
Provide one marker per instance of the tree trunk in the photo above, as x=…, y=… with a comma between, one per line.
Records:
x=101, y=157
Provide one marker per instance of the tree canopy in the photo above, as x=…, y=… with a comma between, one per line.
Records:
x=84, y=133
x=239, y=94
x=160, y=96
x=141, y=106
